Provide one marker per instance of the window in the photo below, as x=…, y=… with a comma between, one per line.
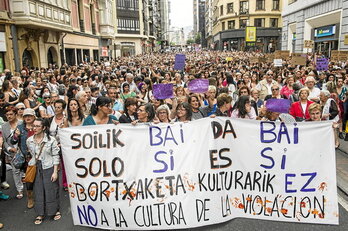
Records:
x=221, y=10
x=223, y=25
x=260, y=4
x=259, y=22
x=273, y=22
x=229, y=7
x=275, y=5
x=231, y=25
x=128, y=5
x=243, y=23
x=128, y=24
x=244, y=7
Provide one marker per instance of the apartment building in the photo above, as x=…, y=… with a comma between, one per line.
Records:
x=232, y=19
x=323, y=21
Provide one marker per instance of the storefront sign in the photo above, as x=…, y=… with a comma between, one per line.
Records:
x=324, y=31
x=2, y=42
x=208, y=171
x=250, y=34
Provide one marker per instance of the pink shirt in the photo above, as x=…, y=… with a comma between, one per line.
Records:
x=286, y=91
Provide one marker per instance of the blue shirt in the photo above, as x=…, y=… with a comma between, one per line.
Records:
x=90, y=121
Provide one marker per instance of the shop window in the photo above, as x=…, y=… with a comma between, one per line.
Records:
x=275, y=5
x=229, y=7
x=223, y=25
x=231, y=24
x=244, y=7
x=273, y=22
x=259, y=22
x=221, y=10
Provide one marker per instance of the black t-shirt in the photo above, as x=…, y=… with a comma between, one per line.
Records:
x=2, y=112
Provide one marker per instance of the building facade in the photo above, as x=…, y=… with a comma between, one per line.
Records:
x=82, y=44
x=38, y=30
x=209, y=23
x=323, y=21
x=6, y=51
x=233, y=18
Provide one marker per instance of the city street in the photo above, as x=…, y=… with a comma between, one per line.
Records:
x=16, y=216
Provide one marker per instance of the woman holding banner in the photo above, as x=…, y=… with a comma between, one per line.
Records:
x=101, y=113
x=243, y=109
x=45, y=155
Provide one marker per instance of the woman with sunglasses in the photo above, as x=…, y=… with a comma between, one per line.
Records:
x=20, y=107
x=46, y=109
x=101, y=113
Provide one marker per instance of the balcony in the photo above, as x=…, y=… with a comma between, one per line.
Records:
x=39, y=14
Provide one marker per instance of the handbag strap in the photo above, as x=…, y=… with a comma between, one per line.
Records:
x=41, y=148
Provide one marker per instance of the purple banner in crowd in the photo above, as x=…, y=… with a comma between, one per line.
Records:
x=163, y=91
x=278, y=105
x=198, y=85
x=322, y=64
x=179, y=62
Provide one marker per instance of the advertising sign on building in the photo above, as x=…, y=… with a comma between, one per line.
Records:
x=324, y=31
x=250, y=34
x=105, y=52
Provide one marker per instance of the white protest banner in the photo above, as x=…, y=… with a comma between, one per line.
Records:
x=278, y=62
x=184, y=175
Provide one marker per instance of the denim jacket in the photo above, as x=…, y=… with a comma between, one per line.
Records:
x=50, y=151
x=21, y=140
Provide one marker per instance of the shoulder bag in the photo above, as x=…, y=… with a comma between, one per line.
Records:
x=30, y=173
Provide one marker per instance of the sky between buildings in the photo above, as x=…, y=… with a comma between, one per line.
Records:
x=181, y=13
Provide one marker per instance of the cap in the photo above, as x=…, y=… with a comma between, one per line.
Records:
x=29, y=111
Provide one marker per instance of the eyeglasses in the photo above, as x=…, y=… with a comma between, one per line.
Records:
x=21, y=108
x=46, y=97
x=275, y=89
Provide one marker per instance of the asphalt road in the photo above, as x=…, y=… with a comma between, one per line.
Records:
x=16, y=217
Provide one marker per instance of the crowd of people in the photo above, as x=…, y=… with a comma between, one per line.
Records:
x=36, y=103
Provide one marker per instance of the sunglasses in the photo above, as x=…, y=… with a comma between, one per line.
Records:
x=275, y=89
x=46, y=97
x=21, y=108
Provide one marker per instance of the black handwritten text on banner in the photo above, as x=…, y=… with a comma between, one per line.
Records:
x=182, y=175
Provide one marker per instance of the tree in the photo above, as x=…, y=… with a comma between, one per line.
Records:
x=190, y=41
x=198, y=38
